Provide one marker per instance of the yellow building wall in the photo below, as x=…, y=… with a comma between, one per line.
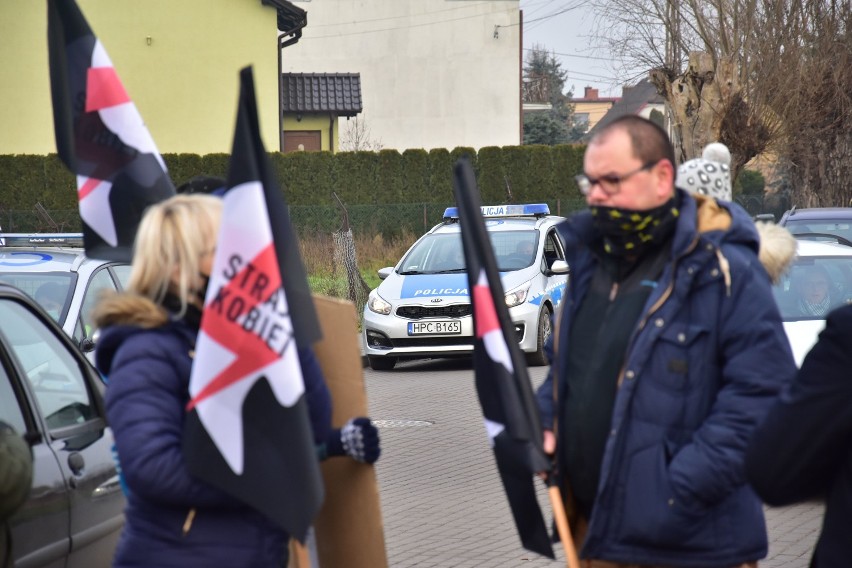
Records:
x=184, y=80
x=316, y=122
x=596, y=110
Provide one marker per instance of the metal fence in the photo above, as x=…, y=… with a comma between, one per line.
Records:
x=388, y=220
x=372, y=219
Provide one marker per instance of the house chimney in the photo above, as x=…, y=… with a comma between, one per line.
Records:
x=591, y=93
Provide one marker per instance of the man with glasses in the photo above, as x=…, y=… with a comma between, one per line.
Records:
x=665, y=356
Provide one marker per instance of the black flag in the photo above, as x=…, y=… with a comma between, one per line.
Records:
x=100, y=137
x=248, y=430
x=502, y=382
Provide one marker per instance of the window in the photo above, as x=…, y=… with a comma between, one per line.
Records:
x=122, y=273
x=100, y=282
x=53, y=372
x=813, y=286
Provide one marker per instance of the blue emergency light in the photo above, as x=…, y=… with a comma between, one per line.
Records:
x=41, y=239
x=528, y=210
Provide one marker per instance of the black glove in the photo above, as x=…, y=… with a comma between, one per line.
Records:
x=358, y=439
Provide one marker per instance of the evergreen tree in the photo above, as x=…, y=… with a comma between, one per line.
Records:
x=556, y=126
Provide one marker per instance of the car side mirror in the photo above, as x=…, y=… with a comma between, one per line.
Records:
x=558, y=267
x=87, y=345
x=385, y=272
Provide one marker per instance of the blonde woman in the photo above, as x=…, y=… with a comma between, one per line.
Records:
x=145, y=350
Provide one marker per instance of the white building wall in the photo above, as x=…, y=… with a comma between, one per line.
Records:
x=433, y=74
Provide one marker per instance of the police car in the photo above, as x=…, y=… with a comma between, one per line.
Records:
x=53, y=269
x=422, y=308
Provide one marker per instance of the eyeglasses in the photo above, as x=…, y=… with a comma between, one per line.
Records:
x=610, y=184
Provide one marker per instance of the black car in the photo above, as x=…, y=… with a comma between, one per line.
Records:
x=824, y=223
x=51, y=394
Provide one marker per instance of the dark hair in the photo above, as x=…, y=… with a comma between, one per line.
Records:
x=203, y=184
x=649, y=141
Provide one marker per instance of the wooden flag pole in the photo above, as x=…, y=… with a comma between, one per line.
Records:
x=561, y=520
x=301, y=558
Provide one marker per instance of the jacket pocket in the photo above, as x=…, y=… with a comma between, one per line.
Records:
x=653, y=516
x=679, y=352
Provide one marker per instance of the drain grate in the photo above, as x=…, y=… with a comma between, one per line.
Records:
x=400, y=423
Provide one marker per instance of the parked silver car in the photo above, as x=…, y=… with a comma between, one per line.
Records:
x=53, y=269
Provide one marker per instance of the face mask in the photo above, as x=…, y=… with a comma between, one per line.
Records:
x=201, y=292
x=627, y=232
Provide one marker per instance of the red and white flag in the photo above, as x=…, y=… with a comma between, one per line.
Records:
x=502, y=381
x=100, y=137
x=248, y=430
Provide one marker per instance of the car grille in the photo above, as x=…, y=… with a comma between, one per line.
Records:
x=420, y=312
x=431, y=341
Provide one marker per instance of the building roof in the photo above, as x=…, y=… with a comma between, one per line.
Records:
x=338, y=93
x=633, y=100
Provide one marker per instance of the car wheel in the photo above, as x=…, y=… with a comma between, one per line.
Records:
x=538, y=358
x=381, y=363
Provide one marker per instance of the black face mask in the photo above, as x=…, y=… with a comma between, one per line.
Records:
x=627, y=232
x=201, y=292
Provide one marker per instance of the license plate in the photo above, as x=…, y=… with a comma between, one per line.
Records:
x=433, y=327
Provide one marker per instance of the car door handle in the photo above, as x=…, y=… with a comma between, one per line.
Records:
x=108, y=487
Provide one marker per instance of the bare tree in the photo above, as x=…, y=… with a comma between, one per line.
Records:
x=757, y=75
x=356, y=136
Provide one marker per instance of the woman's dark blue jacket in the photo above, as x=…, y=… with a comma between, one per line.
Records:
x=704, y=363
x=146, y=356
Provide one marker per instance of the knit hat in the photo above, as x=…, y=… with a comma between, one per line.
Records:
x=708, y=175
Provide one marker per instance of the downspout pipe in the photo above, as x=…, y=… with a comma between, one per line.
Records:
x=286, y=37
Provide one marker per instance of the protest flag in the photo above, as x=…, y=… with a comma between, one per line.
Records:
x=502, y=382
x=100, y=137
x=248, y=431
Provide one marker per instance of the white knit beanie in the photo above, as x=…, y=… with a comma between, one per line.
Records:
x=708, y=175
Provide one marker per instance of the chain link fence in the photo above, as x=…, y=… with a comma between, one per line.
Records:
x=388, y=220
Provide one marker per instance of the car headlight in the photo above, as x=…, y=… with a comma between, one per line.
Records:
x=377, y=304
x=518, y=295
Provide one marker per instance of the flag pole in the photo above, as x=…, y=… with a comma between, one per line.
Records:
x=561, y=520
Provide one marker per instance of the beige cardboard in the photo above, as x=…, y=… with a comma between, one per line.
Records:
x=349, y=529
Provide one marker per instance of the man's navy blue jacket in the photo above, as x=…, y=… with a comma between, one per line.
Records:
x=706, y=360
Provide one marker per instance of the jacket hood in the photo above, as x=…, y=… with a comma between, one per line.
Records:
x=129, y=309
x=120, y=315
x=777, y=249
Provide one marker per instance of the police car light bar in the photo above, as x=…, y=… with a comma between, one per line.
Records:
x=41, y=239
x=528, y=210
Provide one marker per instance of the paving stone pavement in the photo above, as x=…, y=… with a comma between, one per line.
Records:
x=442, y=501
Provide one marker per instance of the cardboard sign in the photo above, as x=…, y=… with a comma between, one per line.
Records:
x=349, y=531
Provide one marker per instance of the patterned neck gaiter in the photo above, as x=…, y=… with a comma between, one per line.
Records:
x=627, y=232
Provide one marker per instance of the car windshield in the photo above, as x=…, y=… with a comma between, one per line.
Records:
x=52, y=290
x=813, y=286
x=817, y=227
x=442, y=253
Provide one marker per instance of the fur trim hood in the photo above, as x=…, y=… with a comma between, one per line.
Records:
x=129, y=309
x=777, y=249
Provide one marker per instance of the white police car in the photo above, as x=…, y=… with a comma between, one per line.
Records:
x=422, y=308
x=53, y=269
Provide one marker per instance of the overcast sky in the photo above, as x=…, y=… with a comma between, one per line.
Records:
x=564, y=28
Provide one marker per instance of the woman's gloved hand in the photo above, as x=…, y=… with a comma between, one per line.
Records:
x=358, y=439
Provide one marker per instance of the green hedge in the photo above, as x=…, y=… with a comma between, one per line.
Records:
x=417, y=182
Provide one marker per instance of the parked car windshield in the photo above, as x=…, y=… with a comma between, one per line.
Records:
x=52, y=290
x=813, y=286
x=442, y=253
x=841, y=229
